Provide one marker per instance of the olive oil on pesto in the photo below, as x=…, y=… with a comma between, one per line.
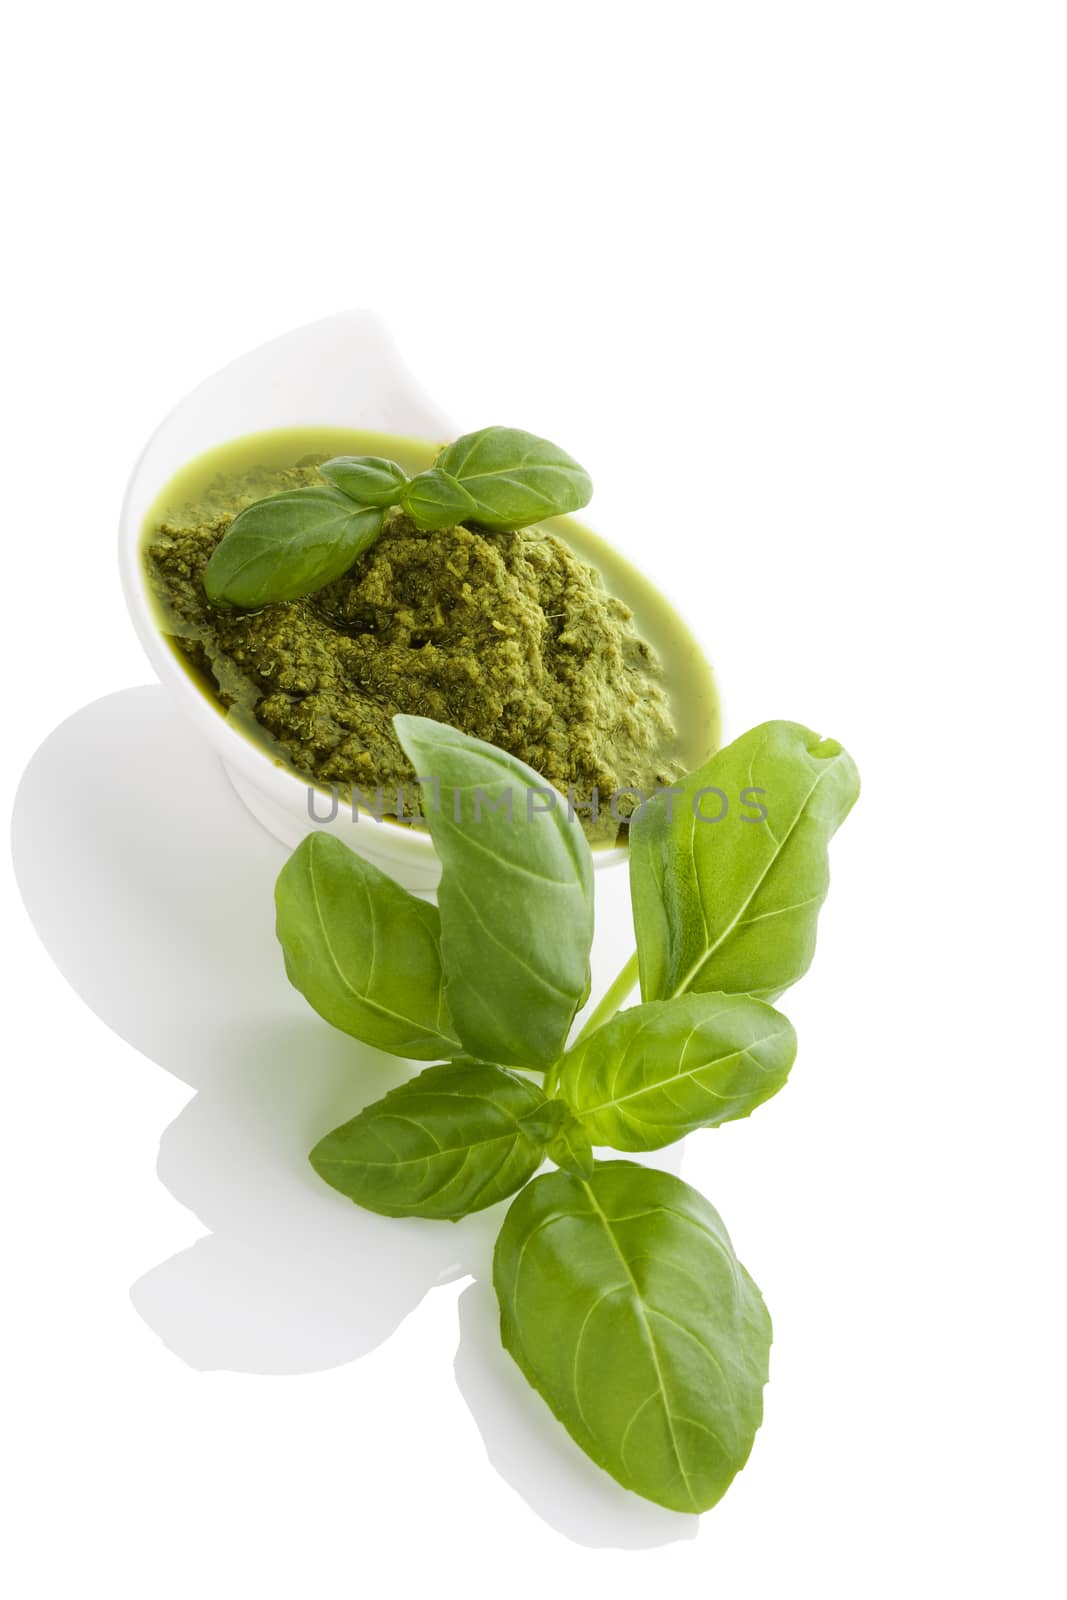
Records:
x=545, y=642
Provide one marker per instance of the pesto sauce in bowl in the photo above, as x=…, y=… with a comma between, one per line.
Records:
x=546, y=642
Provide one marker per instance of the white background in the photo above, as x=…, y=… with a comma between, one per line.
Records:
x=790, y=280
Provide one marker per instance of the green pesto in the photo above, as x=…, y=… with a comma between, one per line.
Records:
x=510, y=637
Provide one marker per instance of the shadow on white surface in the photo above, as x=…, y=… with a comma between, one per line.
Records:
x=152, y=890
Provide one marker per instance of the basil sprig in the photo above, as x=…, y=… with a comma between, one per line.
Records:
x=292, y=544
x=621, y=1298
x=434, y=499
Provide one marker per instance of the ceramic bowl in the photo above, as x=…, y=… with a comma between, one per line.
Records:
x=345, y=372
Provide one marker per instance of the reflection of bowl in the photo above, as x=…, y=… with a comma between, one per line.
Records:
x=343, y=372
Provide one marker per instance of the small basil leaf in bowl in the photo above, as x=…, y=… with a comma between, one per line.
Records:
x=515, y=478
x=434, y=499
x=369, y=480
x=287, y=546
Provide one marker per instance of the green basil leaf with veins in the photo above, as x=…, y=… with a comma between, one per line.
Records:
x=515, y=478
x=369, y=480
x=433, y=499
x=624, y=1305
x=457, y=1138
x=544, y=1120
x=363, y=952
x=663, y=1069
x=516, y=895
x=570, y=1149
x=731, y=906
x=287, y=546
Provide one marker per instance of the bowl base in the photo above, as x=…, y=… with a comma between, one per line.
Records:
x=370, y=839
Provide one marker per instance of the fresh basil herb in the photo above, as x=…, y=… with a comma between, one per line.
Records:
x=624, y=1305
x=292, y=544
x=515, y=478
x=659, y=1071
x=621, y=1298
x=287, y=546
x=516, y=895
x=369, y=480
x=433, y=499
x=732, y=906
x=457, y=1138
x=363, y=951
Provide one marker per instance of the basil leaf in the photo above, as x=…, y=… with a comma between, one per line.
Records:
x=434, y=500
x=544, y=1121
x=454, y=1140
x=624, y=1305
x=516, y=895
x=363, y=952
x=369, y=480
x=659, y=1071
x=570, y=1149
x=515, y=478
x=731, y=906
x=288, y=545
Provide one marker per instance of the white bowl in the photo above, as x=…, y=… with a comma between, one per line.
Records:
x=343, y=372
